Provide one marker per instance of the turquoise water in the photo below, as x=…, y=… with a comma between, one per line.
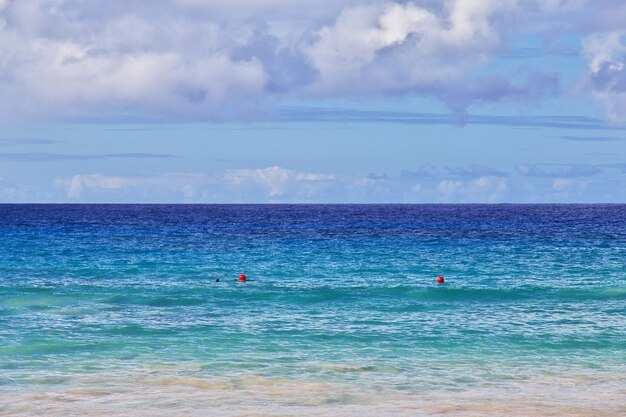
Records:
x=116, y=308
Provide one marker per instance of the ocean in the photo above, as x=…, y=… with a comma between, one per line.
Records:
x=115, y=310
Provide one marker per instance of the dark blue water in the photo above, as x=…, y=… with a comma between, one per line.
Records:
x=337, y=294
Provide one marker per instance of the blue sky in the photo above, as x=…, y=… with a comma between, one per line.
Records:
x=252, y=101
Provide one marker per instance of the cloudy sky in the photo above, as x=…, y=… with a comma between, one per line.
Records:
x=207, y=101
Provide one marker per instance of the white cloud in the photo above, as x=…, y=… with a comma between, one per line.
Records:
x=277, y=180
x=450, y=188
x=272, y=184
x=203, y=60
x=394, y=47
x=484, y=189
x=606, y=56
x=358, y=34
x=560, y=184
x=277, y=184
x=245, y=185
x=77, y=184
x=106, y=187
x=207, y=60
x=604, y=48
x=17, y=192
x=58, y=59
x=66, y=75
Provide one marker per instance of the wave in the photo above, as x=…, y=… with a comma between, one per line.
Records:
x=451, y=294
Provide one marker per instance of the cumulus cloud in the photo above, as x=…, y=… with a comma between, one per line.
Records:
x=18, y=192
x=395, y=48
x=276, y=184
x=606, y=55
x=212, y=60
x=276, y=181
x=245, y=185
x=60, y=57
x=484, y=189
x=569, y=188
x=79, y=183
x=207, y=60
x=164, y=187
x=568, y=183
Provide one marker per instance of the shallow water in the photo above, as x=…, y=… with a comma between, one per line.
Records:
x=106, y=309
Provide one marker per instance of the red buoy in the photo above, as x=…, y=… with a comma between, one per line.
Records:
x=242, y=277
x=440, y=279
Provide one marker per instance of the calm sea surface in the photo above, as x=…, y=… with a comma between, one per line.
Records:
x=115, y=310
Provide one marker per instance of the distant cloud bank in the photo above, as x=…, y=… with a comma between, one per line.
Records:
x=276, y=184
x=195, y=60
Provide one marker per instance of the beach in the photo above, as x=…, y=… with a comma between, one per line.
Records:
x=145, y=394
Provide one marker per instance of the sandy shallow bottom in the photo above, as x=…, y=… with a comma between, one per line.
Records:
x=166, y=395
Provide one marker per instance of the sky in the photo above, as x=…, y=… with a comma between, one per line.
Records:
x=312, y=101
